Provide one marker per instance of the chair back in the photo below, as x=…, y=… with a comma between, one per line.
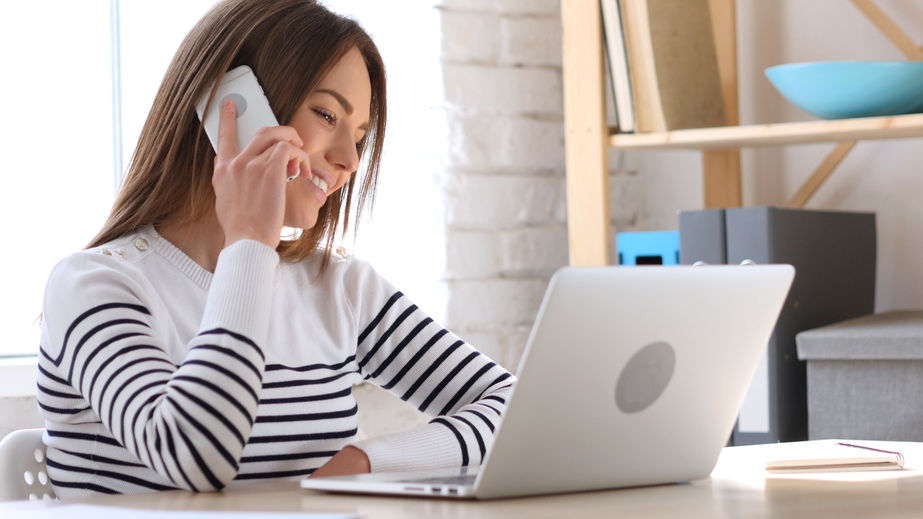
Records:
x=22, y=466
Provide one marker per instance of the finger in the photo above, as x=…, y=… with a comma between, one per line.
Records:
x=294, y=170
x=227, y=131
x=291, y=158
x=268, y=136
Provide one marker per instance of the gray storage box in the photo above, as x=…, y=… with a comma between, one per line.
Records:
x=865, y=377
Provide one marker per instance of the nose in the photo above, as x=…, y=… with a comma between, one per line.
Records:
x=344, y=154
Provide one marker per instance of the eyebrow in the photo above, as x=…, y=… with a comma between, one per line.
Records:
x=343, y=101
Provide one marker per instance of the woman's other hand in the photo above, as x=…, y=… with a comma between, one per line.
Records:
x=250, y=184
x=350, y=460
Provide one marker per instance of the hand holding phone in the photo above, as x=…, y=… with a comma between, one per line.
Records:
x=250, y=164
x=253, y=111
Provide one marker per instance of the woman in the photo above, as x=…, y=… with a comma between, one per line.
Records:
x=189, y=346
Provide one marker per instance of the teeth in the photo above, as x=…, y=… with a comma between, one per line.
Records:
x=319, y=183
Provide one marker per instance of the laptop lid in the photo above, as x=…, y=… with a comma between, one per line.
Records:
x=631, y=376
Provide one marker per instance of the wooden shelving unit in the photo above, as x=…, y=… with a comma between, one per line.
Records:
x=894, y=127
x=588, y=138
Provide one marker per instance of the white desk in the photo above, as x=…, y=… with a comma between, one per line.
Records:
x=738, y=488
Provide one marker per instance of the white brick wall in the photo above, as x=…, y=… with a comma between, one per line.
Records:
x=504, y=189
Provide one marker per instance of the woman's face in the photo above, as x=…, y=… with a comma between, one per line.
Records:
x=332, y=120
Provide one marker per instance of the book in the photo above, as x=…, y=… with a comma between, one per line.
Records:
x=618, y=65
x=672, y=64
x=836, y=456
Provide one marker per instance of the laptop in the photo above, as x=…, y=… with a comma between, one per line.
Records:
x=631, y=376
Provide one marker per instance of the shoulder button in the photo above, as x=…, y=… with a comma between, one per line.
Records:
x=141, y=244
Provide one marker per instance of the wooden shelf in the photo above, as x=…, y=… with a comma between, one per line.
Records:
x=894, y=127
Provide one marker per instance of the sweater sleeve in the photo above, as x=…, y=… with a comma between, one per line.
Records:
x=404, y=351
x=188, y=423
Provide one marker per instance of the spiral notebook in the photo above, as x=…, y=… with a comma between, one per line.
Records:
x=836, y=456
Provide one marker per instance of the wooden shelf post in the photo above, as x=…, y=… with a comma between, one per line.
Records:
x=585, y=133
x=721, y=168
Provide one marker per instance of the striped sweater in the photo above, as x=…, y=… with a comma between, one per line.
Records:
x=156, y=374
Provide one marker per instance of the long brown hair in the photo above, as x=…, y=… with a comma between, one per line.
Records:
x=290, y=45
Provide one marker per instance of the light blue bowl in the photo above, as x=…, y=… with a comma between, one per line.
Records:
x=845, y=89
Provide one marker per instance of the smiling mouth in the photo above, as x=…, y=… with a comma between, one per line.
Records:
x=317, y=181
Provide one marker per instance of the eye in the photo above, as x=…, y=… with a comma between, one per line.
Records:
x=328, y=117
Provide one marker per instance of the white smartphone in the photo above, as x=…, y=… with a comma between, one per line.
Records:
x=253, y=111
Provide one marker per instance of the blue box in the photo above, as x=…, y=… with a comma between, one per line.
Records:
x=648, y=248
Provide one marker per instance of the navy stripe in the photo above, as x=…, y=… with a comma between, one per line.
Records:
x=429, y=371
x=286, y=457
x=57, y=394
x=490, y=407
x=101, y=459
x=458, y=436
x=483, y=418
x=87, y=336
x=400, y=347
x=102, y=367
x=310, y=367
x=214, y=412
x=60, y=410
x=138, y=409
x=171, y=448
x=329, y=435
x=217, y=389
x=384, y=337
x=295, y=383
x=108, y=474
x=121, y=388
x=416, y=358
x=448, y=378
x=308, y=416
x=115, y=375
x=204, y=432
x=242, y=338
x=379, y=317
x=54, y=378
x=231, y=353
x=465, y=387
x=83, y=436
x=206, y=471
x=272, y=475
x=83, y=486
x=224, y=371
x=477, y=436
x=308, y=398
x=88, y=313
x=158, y=448
x=86, y=362
x=496, y=381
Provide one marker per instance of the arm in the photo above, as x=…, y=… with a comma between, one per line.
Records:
x=102, y=339
x=406, y=352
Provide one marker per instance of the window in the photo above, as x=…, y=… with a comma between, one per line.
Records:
x=57, y=143
x=69, y=131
